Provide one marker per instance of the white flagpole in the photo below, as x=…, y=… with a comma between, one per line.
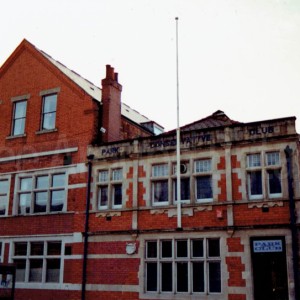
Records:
x=178, y=138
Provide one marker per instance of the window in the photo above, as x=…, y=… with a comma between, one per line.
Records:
x=4, y=195
x=203, y=180
x=49, y=112
x=191, y=266
x=41, y=193
x=260, y=171
x=160, y=183
x=38, y=261
x=19, y=117
x=184, y=182
x=110, y=193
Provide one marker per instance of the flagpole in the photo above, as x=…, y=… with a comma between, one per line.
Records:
x=178, y=137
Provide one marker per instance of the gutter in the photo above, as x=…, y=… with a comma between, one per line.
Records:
x=86, y=228
x=294, y=232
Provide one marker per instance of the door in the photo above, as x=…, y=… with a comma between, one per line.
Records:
x=269, y=268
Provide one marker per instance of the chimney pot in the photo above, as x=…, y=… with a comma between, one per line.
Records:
x=109, y=72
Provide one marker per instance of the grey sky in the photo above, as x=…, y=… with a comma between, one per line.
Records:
x=239, y=56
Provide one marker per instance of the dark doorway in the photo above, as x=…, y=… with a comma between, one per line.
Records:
x=269, y=268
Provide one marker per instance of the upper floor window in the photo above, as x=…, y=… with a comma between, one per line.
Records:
x=49, y=112
x=191, y=266
x=195, y=185
x=264, y=175
x=38, y=261
x=160, y=185
x=4, y=195
x=41, y=193
x=19, y=117
x=110, y=188
x=203, y=180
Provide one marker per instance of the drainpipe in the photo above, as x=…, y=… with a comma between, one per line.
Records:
x=288, y=153
x=86, y=227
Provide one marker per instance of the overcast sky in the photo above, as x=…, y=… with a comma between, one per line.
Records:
x=239, y=56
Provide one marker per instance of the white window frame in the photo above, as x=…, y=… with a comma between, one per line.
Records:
x=45, y=97
x=44, y=257
x=113, y=177
x=14, y=118
x=183, y=175
x=264, y=165
x=160, y=173
x=33, y=190
x=6, y=195
x=174, y=260
x=203, y=168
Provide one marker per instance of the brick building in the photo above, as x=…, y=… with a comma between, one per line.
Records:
x=237, y=240
x=88, y=204
x=49, y=115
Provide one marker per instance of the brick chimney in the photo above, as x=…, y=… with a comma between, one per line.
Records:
x=111, y=106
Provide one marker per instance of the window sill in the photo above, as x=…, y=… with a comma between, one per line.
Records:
x=11, y=137
x=46, y=131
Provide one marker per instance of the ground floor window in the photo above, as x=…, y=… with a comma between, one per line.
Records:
x=37, y=261
x=183, y=266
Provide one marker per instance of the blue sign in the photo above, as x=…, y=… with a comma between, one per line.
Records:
x=267, y=246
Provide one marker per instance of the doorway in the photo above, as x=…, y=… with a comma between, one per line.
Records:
x=269, y=268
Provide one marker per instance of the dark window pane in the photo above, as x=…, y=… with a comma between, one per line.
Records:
x=53, y=270
x=274, y=181
x=20, y=271
x=197, y=248
x=117, y=194
x=198, y=277
x=214, y=277
x=40, y=203
x=182, y=277
x=3, y=202
x=36, y=248
x=35, y=271
x=57, y=200
x=54, y=248
x=151, y=249
x=213, y=248
x=184, y=188
x=166, y=249
x=204, y=188
x=20, y=248
x=103, y=196
x=255, y=183
x=182, y=248
x=160, y=191
x=166, y=277
x=151, y=284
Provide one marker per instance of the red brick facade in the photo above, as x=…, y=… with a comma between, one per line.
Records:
x=235, y=210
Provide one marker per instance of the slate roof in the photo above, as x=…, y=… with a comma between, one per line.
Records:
x=93, y=90
x=217, y=119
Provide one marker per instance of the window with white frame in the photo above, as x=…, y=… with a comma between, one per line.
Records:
x=109, y=186
x=49, y=112
x=41, y=193
x=264, y=175
x=4, y=195
x=185, y=188
x=160, y=184
x=19, y=117
x=183, y=266
x=38, y=261
x=203, y=180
